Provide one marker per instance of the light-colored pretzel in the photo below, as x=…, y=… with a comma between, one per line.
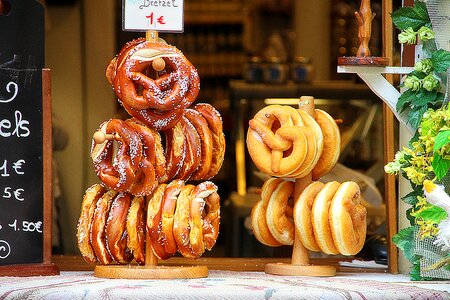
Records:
x=181, y=230
x=154, y=210
x=276, y=140
x=136, y=229
x=348, y=219
x=280, y=225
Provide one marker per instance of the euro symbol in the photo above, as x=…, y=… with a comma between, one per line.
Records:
x=18, y=165
x=17, y=194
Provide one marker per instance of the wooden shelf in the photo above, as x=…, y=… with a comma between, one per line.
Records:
x=214, y=13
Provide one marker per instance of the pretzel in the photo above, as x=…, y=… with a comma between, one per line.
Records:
x=214, y=120
x=320, y=218
x=154, y=209
x=97, y=237
x=258, y=214
x=177, y=87
x=211, y=220
x=302, y=215
x=171, y=193
x=90, y=198
x=331, y=144
x=136, y=229
x=175, y=151
x=201, y=126
x=199, y=197
x=272, y=132
x=192, y=157
x=115, y=229
x=145, y=181
x=348, y=219
x=280, y=225
x=181, y=230
x=119, y=172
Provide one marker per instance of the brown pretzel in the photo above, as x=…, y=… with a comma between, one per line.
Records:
x=175, y=151
x=214, y=120
x=154, y=209
x=117, y=172
x=192, y=158
x=177, y=87
x=136, y=229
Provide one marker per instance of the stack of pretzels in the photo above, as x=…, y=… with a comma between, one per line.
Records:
x=326, y=217
x=144, y=162
x=285, y=142
x=179, y=217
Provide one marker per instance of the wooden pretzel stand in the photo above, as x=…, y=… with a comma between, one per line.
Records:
x=300, y=265
x=151, y=269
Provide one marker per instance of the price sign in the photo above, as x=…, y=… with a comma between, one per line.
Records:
x=159, y=15
x=25, y=143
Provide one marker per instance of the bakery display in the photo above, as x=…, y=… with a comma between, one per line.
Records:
x=297, y=147
x=155, y=198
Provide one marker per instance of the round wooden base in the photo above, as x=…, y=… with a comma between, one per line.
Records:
x=362, y=61
x=149, y=272
x=300, y=270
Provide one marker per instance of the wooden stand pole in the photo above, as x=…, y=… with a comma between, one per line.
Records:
x=300, y=255
x=151, y=269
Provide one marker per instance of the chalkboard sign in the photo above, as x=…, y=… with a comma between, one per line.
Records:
x=25, y=142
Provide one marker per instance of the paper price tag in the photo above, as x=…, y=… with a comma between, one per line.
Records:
x=159, y=15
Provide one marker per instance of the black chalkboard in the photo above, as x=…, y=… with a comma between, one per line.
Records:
x=21, y=133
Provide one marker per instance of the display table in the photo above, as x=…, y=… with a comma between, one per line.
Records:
x=223, y=285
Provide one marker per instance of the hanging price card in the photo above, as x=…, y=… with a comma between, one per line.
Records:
x=159, y=15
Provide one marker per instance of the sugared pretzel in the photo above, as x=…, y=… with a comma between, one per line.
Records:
x=175, y=151
x=192, y=157
x=116, y=172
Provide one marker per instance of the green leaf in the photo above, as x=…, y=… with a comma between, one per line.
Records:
x=415, y=116
x=419, y=75
x=404, y=240
x=442, y=139
x=441, y=60
x=439, y=98
x=440, y=166
x=404, y=100
x=411, y=198
x=414, y=17
x=433, y=213
x=428, y=47
x=423, y=97
x=409, y=217
x=415, y=272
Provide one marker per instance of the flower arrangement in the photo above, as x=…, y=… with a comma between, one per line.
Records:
x=425, y=162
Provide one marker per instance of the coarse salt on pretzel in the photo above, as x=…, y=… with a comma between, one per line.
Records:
x=199, y=197
x=193, y=150
x=136, y=229
x=258, y=214
x=177, y=87
x=91, y=196
x=116, y=229
x=201, y=126
x=171, y=193
x=117, y=172
x=175, y=152
x=145, y=182
x=212, y=116
x=181, y=228
x=280, y=225
x=98, y=227
x=348, y=219
x=320, y=218
x=154, y=209
x=302, y=215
